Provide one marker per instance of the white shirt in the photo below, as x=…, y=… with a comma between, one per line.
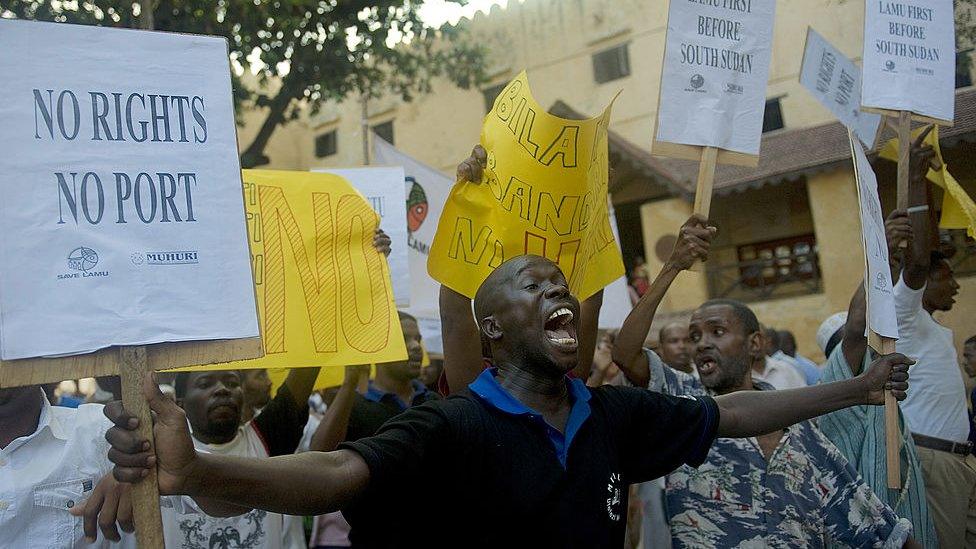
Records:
x=781, y=375
x=185, y=526
x=44, y=474
x=936, y=403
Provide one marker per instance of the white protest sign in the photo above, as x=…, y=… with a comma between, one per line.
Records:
x=616, y=297
x=877, y=277
x=122, y=214
x=426, y=190
x=716, y=64
x=910, y=57
x=383, y=189
x=836, y=82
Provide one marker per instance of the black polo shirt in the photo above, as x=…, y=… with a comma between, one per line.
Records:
x=507, y=479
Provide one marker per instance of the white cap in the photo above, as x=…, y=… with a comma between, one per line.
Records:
x=829, y=327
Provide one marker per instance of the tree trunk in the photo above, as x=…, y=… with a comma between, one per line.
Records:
x=253, y=155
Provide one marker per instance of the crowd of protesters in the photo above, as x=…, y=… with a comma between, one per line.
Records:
x=536, y=430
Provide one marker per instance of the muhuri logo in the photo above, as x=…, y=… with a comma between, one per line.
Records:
x=182, y=257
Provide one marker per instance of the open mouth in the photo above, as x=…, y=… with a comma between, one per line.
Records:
x=560, y=330
x=706, y=366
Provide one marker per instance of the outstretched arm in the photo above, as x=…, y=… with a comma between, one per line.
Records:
x=693, y=243
x=278, y=484
x=754, y=413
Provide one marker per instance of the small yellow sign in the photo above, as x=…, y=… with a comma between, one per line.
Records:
x=544, y=192
x=323, y=291
x=958, y=209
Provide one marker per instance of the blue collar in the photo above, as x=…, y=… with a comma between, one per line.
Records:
x=487, y=388
x=375, y=394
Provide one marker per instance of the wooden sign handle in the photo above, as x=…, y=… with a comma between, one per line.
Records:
x=706, y=179
x=133, y=369
x=892, y=432
x=703, y=192
x=904, y=158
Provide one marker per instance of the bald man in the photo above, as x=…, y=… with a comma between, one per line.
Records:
x=532, y=458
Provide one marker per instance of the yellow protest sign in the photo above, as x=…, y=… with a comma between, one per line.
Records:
x=544, y=192
x=958, y=209
x=323, y=291
x=328, y=377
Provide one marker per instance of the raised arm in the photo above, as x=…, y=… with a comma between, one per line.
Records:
x=693, y=243
x=915, y=268
x=754, y=413
x=589, y=330
x=462, y=340
x=855, y=344
x=459, y=331
x=332, y=430
x=225, y=485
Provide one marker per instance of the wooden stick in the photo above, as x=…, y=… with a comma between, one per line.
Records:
x=706, y=178
x=892, y=432
x=133, y=369
x=703, y=192
x=904, y=150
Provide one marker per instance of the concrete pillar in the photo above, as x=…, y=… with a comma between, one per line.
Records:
x=833, y=202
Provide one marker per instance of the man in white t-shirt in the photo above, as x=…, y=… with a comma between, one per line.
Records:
x=936, y=405
x=213, y=404
x=52, y=460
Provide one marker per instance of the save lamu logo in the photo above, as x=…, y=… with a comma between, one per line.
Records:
x=82, y=259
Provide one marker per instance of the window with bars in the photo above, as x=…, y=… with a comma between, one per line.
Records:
x=611, y=64
x=778, y=261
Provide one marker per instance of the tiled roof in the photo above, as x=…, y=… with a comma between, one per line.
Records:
x=786, y=155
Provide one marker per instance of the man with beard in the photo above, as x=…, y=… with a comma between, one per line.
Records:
x=213, y=403
x=674, y=342
x=531, y=458
x=785, y=487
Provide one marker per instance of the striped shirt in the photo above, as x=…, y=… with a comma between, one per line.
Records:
x=859, y=434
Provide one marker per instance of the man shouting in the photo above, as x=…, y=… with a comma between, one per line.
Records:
x=531, y=457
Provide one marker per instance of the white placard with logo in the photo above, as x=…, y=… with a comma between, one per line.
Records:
x=877, y=277
x=426, y=192
x=910, y=57
x=836, y=82
x=383, y=188
x=122, y=218
x=716, y=65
